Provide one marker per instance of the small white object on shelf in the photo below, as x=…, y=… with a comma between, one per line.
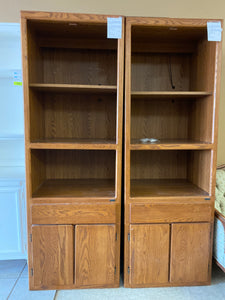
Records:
x=147, y=140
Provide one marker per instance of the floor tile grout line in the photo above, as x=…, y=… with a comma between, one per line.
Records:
x=16, y=281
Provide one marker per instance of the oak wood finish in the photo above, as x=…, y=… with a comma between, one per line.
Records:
x=190, y=255
x=74, y=143
x=95, y=255
x=73, y=104
x=92, y=188
x=170, y=213
x=149, y=247
x=180, y=118
x=78, y=116
x=52, y=255
x=170, y=144
x=62, y=169
x=168, y=94
x=73, y=213
x=172, y=82
x=146, y=188
x=74, y=88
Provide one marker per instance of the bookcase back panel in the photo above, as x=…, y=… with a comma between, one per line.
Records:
x=160, y=119
x=77, y=116
x=97, y=67
x=160, y=72
x=172, y=119
x=178, y=166
x=158, y=164
x=74, y=164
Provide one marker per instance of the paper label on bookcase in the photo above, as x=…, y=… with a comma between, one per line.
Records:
x=214, y=31
x=114, y=28
x=17, y=77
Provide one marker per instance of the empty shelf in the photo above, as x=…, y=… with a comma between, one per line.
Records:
x=93, y=188
x=164, y=188
x=74, y=88
x=73, y=143
x=168, y=94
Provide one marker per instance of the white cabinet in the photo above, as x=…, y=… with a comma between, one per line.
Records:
x=12, y=219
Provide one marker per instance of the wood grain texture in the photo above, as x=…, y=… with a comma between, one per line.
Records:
x=147, y=188
x=95, y=255
x=73, y=143
x=71, y=164
x=73, y=213
x=185, y=25
x=52, y=255
x=168, y=94
x=169, y=213
x=74, y=88
x=74, y=66
x=199, y=172
x=190, y=165
x=190, y=248
x=77, y=188
x=149, y=248
x=68, y=115
x=150, y=72
x=180, y=118
x=149, y=120
x=170, y=144
x=160, y=53
x=41, y=16
x=158, y=164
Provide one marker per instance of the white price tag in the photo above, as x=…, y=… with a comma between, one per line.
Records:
x=214, y=31
x=114, y=28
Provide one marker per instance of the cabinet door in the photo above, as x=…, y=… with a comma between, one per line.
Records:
x=149, y=254
x=52, y=255
x=95, y=255
x=190, y=249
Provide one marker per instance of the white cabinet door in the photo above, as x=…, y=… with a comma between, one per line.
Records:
x=12, y=219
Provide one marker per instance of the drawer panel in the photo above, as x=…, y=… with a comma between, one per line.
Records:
x=157, y=213
x=73, y=213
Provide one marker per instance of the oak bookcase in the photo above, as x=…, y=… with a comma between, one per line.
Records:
x=172, y=81
x=73, y=99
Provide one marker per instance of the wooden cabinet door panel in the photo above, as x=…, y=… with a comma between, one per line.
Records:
x=53, y=255
x=149, y=254
x=190, y=245
x=95, y=255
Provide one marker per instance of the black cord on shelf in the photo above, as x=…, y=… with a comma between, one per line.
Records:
x=170, y=73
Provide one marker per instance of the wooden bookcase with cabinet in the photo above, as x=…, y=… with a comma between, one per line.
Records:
x=73, y=95
x=172, y=81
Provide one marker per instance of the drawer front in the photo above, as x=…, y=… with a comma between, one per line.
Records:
x=157, y=213
x=73, y=213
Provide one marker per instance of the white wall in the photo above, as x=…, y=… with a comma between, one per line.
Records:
x=12, y=162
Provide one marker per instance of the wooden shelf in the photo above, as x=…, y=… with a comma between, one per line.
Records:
x=168, y=144
x=71, y=143
x=92, y=188
x=164, y=188
x=169, y=94
x=74, y=88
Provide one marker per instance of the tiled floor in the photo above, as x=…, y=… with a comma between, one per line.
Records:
x=14, y=283
x=14, y=286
